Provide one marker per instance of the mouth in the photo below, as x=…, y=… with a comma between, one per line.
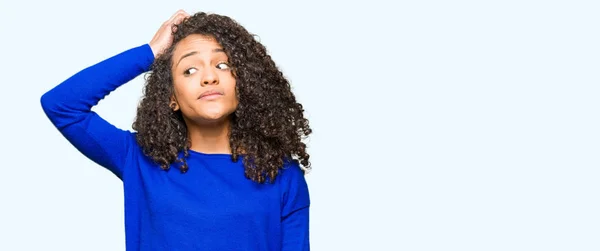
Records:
x=210, y=94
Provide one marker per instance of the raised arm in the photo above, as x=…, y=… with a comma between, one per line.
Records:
x=68, y=105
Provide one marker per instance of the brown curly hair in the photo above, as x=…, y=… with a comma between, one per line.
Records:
x=268, y=125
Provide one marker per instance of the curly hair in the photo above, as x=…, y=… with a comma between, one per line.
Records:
x=268, y=125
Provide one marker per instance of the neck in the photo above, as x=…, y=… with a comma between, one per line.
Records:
x=210, y=137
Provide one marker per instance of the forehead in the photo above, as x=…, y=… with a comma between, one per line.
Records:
x=196, y=42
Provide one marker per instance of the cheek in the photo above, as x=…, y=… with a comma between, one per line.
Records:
x=231, y=89
x=184, y=91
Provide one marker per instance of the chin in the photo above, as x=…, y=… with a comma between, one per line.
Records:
x=213, y=117
x=210, y=113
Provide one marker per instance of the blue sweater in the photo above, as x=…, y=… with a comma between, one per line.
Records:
x=211, y=207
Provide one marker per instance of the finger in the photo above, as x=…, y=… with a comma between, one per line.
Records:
x=178, y=14
x=172, y=18
x=179, y=19
x=182, y=15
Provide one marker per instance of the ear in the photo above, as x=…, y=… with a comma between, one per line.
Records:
x=173, y=104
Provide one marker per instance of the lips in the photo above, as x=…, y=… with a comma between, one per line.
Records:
x=210, y=93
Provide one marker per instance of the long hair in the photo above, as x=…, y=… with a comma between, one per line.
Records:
x=268, y=125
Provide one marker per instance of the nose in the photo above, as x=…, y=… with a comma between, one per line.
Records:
x=210, y=77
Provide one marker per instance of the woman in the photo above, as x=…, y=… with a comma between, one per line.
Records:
x=217, y=160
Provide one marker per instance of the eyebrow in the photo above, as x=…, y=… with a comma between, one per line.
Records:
x=217, y=50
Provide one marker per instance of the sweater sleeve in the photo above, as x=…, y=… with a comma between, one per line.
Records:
x=69, y=107
x=295, y=209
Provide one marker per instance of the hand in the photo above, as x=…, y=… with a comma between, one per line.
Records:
x=164, y=36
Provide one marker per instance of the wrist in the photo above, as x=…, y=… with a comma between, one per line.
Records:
x=154, y=49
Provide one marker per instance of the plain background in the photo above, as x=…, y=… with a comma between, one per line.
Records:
x=438, y=125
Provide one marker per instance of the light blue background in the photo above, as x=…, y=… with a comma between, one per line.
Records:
x=439, y=125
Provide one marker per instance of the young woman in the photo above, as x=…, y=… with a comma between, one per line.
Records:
x=217, y=160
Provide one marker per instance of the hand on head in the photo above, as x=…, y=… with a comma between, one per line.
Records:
x=164, y=36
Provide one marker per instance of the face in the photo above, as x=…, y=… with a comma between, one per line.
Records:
x=204, y=85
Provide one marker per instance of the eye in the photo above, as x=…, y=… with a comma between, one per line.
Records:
x=189, y=71
x=223, y=66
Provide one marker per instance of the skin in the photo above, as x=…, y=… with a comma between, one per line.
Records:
x=268, y=126
x=163, y=38
x=204, y=91
x=200, y=65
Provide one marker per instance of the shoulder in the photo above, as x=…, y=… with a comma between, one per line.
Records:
x=291, y=170
x=133, y=140
x=292, y=177
x=294, y=188
x=135, y=150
